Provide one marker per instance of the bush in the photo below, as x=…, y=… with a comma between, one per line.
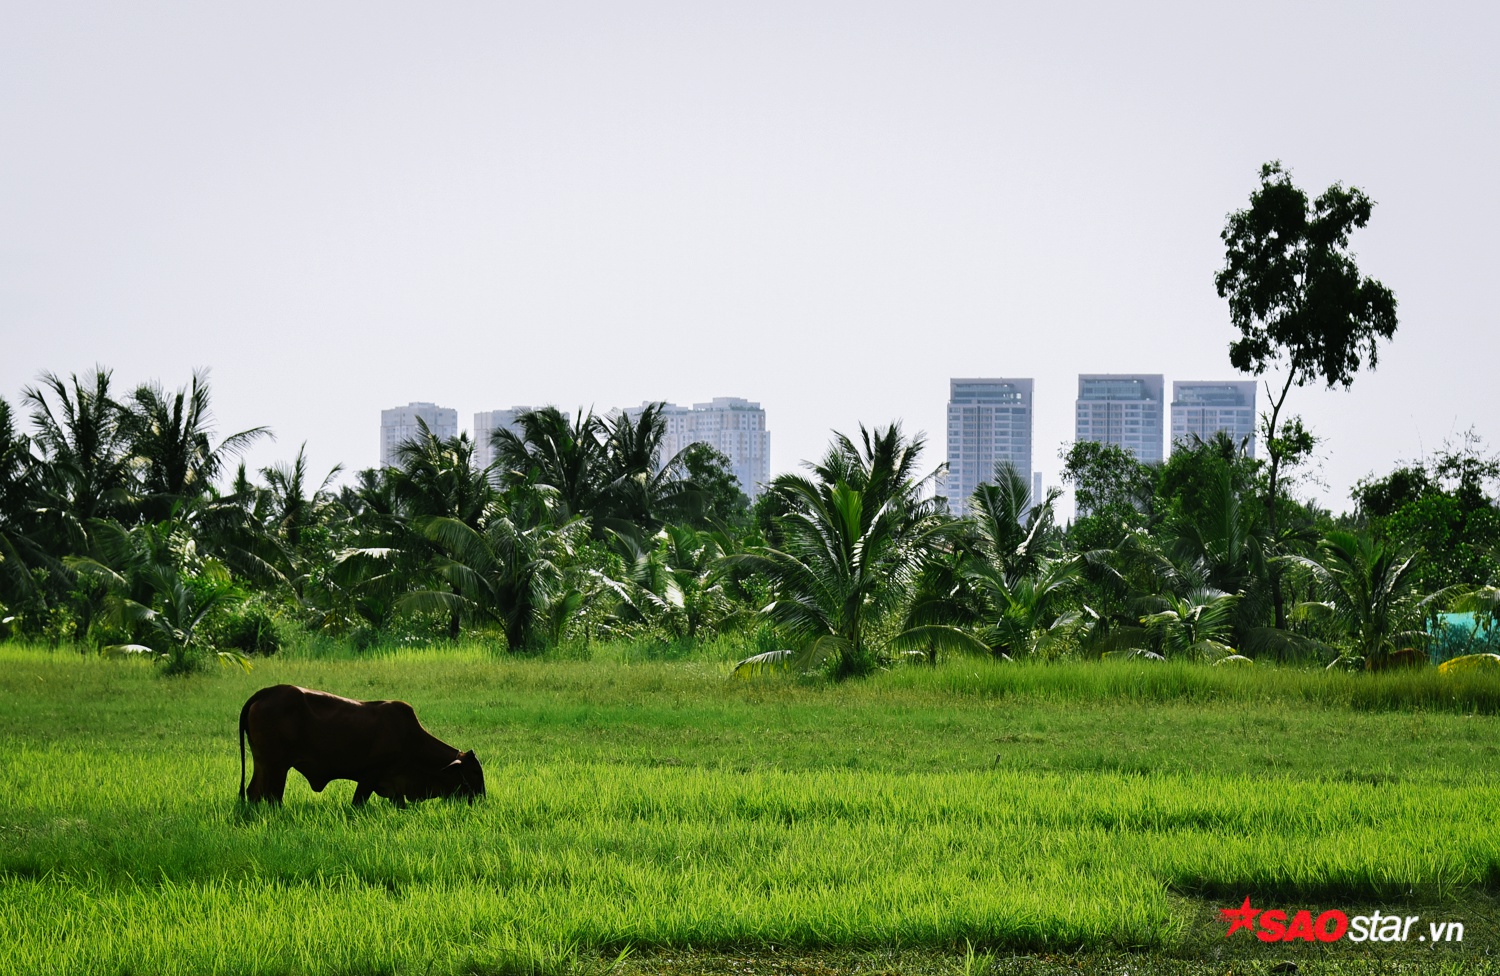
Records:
x=249, y=628
x=363, y=638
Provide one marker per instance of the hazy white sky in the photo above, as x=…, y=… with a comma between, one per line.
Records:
x=827, y=207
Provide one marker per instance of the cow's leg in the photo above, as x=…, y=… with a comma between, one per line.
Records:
x=362, y=794
x=268, y=784
x=257, y=791
x=400, y=801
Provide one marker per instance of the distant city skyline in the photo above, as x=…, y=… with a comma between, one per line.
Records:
x=989, y=420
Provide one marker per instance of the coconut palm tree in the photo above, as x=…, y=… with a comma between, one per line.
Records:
x=549, y=450
x=1364, y=589
x=293, y=510
x=609, y=470
x=1198, y=625
x=234, y=528
x=160, y=588
x=1028, y=613
x=171, y=444
x=1010, y=526
x=646, y=592
x=436, y=477
x=675, y=584
x=641, y=489
x=83, y=443
x=1004, y=537
x=1482, y=601
x=693, y=557
x=22, y=547
x=509, y=569
x=277, y=536
x=855, y=535
x=1224, y=546
x=379, y=555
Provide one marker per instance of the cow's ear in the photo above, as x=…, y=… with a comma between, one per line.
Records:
x=468, y=755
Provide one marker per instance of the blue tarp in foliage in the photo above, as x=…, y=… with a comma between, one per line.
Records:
x=1457, y=634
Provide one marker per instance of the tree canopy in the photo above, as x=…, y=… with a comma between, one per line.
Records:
x=1299, y=300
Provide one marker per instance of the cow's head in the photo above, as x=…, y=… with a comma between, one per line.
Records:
x=463, y=777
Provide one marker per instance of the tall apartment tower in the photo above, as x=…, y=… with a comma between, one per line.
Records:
x=1123, y=409
x=989, y=420
x=399, y=425
x=1202, y=408
x=487, y=422
x=733, y=426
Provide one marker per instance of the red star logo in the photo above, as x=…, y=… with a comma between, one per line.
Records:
x=1240, y=918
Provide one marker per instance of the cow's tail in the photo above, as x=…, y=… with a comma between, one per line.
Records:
x=244, y=727
x=244, y=716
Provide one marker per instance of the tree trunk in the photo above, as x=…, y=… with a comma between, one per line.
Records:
x=453, y=619
x=1274, y=453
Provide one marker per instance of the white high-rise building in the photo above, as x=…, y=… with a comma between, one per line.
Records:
x=989, y=420
x=1202, y=408
x=399, y=425
x=487, y=422
x=1123, y=409
x=733, y=426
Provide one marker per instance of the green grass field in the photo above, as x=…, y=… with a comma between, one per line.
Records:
x=646, y=816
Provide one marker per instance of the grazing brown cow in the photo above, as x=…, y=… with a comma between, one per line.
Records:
x=378, y=744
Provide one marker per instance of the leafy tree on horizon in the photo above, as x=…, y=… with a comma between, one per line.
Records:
x=852, y=563
x=1299, y=300
x=1113, y=493
x=724, y=502
x=1443, y=510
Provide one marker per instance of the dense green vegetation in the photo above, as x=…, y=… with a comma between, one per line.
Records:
x=117, y=534
x=668, y=806
x=115, y=537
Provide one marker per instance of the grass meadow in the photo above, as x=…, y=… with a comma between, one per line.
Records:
x=661, y=815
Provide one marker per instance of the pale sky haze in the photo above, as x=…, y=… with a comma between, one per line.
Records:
x=830, y=208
